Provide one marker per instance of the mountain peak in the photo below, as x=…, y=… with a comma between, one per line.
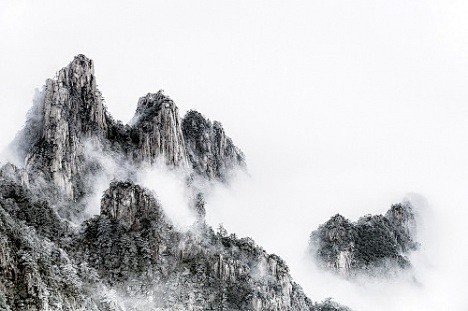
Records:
x=152, y=104
x=375, y=243
x=210, y=150
x=129, y=204
x=78, y=75
x=70, y=112
x=130, y=256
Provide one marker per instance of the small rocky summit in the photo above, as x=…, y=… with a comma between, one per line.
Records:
x=374, y=245
x=131, y=256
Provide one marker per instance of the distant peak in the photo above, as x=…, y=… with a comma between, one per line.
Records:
x=129, y=204
x=374, y=245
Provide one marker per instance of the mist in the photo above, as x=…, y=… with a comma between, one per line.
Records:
x=339, y=107
x=280, y=215
x=167, y=184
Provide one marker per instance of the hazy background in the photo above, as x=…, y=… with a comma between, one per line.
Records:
x=340, y=106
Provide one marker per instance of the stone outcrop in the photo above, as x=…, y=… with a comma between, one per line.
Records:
x=71, y=110
x=138, y=253
x=70, y=113
x=131, y=256
x=375, y=245
x=210, y=151
x=156, y=131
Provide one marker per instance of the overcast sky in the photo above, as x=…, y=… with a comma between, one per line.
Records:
x=339, y=106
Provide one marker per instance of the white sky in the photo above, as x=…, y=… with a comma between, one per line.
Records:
x=340, y=106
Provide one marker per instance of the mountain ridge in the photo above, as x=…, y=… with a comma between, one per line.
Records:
x=130, y=256
x=375, y=245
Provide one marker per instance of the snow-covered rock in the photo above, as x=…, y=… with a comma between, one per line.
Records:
x=130, y=256
x=375, y=245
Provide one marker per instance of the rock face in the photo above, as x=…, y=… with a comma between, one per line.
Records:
x=70, y=112
x=157, y=124
x=131, y=256
x=35, y=273
x=210, y=151
x=374, y=245
x=137, y=251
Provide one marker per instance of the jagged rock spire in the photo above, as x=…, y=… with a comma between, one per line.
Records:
x=156, y=130
x=71, y=112
x=131, y=256
x=134, y=247
x=211, y=152
x=375, y=243
x=73, y=96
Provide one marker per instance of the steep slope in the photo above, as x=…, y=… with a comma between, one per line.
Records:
x=70, y=111
x=131, y=257
x=137, y=250
x=210, y=151
x=70, y=115
x=35, y=272
x=374, y=245
x=155, y=133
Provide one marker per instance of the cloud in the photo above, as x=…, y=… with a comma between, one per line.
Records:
x=170, y=187
x=339, y=107
x=267, y=209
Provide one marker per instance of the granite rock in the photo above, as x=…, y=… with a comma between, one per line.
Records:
x=374, y=245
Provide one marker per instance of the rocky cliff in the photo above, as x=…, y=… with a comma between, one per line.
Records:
x=70, y=110
x=131, y=256
x=374, y=245
x=210, y=151
x=70, y=113
x=137, y=251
